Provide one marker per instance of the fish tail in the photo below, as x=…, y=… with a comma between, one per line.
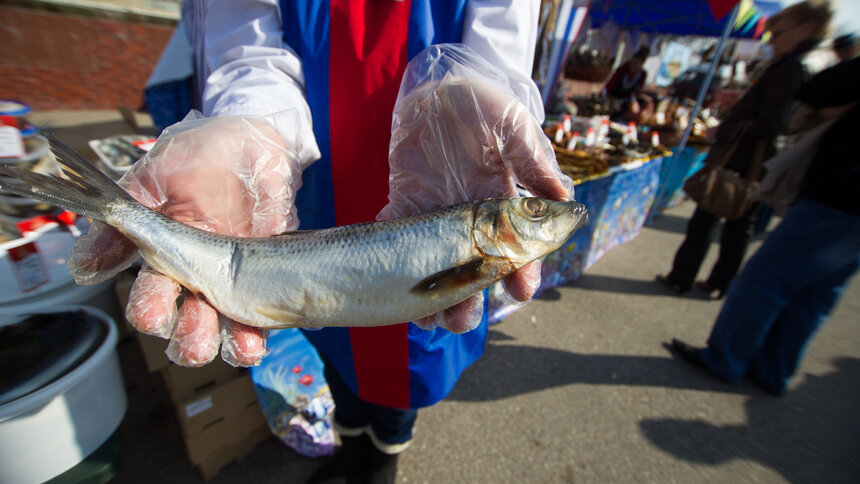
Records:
x=87, y=192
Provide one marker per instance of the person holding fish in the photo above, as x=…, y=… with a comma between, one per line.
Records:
x=318, y=115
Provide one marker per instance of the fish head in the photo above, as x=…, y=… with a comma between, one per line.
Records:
x=521, y=230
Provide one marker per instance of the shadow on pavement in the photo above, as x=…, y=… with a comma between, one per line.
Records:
x=792, y=435
x=669, y=223
x=530, y=369
x=649, y=287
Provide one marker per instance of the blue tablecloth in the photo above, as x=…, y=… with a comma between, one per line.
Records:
x=618, y=204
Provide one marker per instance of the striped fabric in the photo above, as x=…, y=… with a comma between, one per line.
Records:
x=354, y=54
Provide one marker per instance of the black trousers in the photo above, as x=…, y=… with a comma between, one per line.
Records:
x=700, y=233
x=392, y=427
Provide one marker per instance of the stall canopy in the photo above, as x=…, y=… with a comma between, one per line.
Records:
x=683, y=17
x=674, y=17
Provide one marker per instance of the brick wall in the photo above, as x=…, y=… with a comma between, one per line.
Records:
x=65, y=61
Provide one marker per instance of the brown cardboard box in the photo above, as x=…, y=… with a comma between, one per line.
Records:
x=122, y=288
x=153, y=349
x=217, y=403
x=212, y=465
x=184, y=383
x=223, y=432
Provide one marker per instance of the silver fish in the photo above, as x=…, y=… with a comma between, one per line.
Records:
x=370, y=274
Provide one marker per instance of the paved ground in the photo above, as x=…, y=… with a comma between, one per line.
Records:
x=578, y=387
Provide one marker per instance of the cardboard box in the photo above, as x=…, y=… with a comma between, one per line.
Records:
x=153, y=349
x=184, y=383
x=224, y=432
x=205, y=409
x=212, y=465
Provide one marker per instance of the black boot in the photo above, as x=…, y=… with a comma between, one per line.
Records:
x=347, y=463
x=380, y=468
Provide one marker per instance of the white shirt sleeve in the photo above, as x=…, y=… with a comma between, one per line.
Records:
x=504, y=32
x=249, y=70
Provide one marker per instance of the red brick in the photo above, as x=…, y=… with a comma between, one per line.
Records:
x=62, y=61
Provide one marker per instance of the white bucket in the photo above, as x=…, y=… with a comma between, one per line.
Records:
x=52, y=429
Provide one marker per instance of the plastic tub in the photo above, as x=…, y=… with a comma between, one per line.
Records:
x=11, y=107
x=78, y=405
x=39, y=157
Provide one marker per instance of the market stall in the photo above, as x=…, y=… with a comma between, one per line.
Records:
x=623, y=181
x=605, y=32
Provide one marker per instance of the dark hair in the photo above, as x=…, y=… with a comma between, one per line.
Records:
x=642, y=53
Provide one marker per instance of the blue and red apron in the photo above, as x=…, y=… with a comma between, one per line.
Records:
x=354, y=54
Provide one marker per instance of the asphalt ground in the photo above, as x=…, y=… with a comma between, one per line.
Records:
x=577, y=386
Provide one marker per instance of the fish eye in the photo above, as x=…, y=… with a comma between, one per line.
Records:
x=536, y=208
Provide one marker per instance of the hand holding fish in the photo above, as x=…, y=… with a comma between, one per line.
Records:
x=218, y=189
x=231, y=176
x=459, y=135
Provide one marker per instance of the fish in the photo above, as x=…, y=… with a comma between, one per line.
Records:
x=366, y=274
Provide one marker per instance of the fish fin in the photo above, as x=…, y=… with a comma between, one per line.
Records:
x=86, y=191
x=288, y=232
x=450, y=278
x=289, y=318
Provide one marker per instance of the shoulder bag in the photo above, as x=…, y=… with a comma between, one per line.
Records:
x=724, y=192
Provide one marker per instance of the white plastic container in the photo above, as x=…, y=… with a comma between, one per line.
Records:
x=50, y=430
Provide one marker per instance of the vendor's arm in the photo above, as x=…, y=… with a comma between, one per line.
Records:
x=782, y=86
x=250, y=70
x=235, y=172
x=504, y=32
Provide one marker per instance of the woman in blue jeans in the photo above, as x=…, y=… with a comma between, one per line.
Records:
x=790, y=285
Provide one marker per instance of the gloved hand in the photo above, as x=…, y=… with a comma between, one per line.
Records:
x=231, y=175
x=460, y=134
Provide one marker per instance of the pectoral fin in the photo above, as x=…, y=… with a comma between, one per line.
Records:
x=289, y=318
x=450, y=278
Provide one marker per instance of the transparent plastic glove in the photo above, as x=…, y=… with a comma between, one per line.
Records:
x=233, y=175
x=459, y=134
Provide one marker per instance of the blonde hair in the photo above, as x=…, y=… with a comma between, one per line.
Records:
x=819, y=12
